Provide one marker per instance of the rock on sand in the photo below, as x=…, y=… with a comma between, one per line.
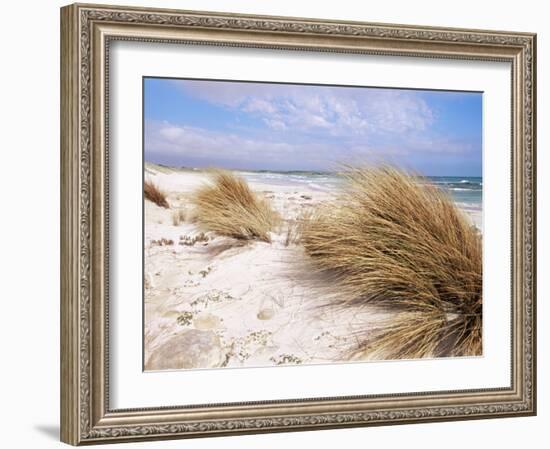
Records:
x=189, y=349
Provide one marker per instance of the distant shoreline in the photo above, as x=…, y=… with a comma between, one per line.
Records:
x=466, y=191
x=284, y=172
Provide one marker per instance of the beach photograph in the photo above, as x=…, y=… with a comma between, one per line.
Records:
x=293, y=224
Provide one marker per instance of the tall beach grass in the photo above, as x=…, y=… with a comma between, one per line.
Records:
x=153, y=193
x=227, y=206
x=394, y=241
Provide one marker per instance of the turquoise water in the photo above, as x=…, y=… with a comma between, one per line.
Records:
x=466, y=190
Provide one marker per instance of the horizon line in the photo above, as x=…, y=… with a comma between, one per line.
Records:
x=268, y=170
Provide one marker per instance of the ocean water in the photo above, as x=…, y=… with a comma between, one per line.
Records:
x=467, y=191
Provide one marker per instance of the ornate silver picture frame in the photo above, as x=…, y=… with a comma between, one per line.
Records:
x=87, y=34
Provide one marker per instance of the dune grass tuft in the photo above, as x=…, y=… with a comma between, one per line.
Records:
x=399, y=243
x=154, y=194
x=229, y=207
x=292, y=233
x=179, y=216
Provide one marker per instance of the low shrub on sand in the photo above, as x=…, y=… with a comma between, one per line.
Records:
x=154, y=194
x=292, y=236
x=395, y=241
x=162, y=242
x=178, y=216
x=228, y=207
x=295, y=226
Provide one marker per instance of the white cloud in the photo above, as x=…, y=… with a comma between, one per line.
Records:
x=207, y=147
x=336, y=111
x=304, y=127
x=197, y=146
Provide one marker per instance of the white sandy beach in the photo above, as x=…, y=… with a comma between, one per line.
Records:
x=213, y=302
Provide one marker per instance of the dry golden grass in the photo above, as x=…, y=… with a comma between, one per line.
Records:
x=295, y=226
x=291, y=236
x=228, y=207
x=154, y=194
x=396, y=242
x=178, y=216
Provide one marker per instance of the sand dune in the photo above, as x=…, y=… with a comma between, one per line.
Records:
x=213, y=301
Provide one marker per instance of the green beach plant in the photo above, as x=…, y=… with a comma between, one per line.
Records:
x=394, y=241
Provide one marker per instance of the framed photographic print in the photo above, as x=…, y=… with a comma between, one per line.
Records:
x=280, y=224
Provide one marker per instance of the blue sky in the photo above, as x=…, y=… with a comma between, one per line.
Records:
x=266, y=126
